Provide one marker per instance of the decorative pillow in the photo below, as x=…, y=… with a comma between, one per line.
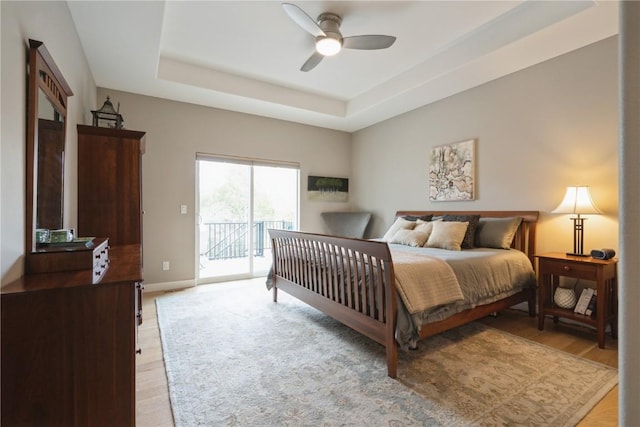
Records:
x=447, y=235
x=399, y=224
x=470, y=236
x=424, y=227
x=409, y=237
x=497, y=232
x=415, y=218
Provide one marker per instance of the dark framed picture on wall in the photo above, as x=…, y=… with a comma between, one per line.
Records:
x=452, y=172
x=327, y=189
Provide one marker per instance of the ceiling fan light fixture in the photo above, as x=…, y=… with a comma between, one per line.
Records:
x=329, y=40
x=328, y=46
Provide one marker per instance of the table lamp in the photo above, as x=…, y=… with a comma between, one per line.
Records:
x=577, y=201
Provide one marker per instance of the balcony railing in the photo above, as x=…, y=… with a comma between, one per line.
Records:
x=229, y=240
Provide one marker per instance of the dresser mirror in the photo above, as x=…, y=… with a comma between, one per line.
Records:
x=46, y=129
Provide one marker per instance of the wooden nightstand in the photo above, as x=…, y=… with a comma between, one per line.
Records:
x=604, y=272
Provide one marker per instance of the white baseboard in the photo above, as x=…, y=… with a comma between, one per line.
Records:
x=169, y=286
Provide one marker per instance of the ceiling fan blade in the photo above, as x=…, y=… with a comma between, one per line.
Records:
x=369, y=42
x=303, y=20
x=311, y=63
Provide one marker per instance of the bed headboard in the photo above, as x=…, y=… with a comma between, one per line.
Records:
x=525, y=238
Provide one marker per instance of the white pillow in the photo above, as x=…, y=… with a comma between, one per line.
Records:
x=409, y=237
x=400, y=224
x=447, y=235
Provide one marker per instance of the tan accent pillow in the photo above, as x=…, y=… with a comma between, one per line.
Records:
x=470, y=235
x=447, y=235
x=399, y=224
x=424, y=227
x=409, y=237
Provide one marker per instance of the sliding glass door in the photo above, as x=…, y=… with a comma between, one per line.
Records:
x=239, y=200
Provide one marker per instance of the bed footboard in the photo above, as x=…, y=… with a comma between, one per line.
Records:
x=350, y=280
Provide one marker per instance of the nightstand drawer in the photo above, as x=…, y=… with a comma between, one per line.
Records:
x=577, y=270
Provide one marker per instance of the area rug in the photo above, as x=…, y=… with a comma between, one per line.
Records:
x=235, y=358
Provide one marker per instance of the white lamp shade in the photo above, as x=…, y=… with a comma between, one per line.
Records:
x=577, y=200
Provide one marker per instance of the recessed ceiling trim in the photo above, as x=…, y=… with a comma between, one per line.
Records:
x=474, y=52
x=522, y=21
x=207, y=78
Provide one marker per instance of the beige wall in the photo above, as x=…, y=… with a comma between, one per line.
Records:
x=538, y=131
x=177, y=131
x=49, y=22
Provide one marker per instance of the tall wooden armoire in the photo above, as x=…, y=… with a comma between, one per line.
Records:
x=110, y=184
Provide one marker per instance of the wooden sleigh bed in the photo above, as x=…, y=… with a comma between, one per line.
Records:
x=353, y=280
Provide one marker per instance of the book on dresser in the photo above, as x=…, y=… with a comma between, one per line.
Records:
x=591, y=308
x=583, y=301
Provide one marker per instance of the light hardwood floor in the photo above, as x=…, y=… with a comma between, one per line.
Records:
x=153, y=407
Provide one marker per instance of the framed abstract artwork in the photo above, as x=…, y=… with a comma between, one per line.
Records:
x=452, y=172
x=327, y=189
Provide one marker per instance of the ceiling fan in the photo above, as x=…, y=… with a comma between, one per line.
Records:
x=329, y=40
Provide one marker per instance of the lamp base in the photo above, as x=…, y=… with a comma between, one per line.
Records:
x=580, y=255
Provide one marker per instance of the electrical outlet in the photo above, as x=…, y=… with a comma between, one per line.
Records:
x=183, y=209
x=165, y=265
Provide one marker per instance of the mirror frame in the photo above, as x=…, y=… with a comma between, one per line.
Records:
x=46, y=76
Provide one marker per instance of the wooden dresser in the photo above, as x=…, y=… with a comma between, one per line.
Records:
x=69, y=330
x=69, y=345
x=110, y=184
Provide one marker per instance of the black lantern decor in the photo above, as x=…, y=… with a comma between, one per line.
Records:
x=107, y=116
